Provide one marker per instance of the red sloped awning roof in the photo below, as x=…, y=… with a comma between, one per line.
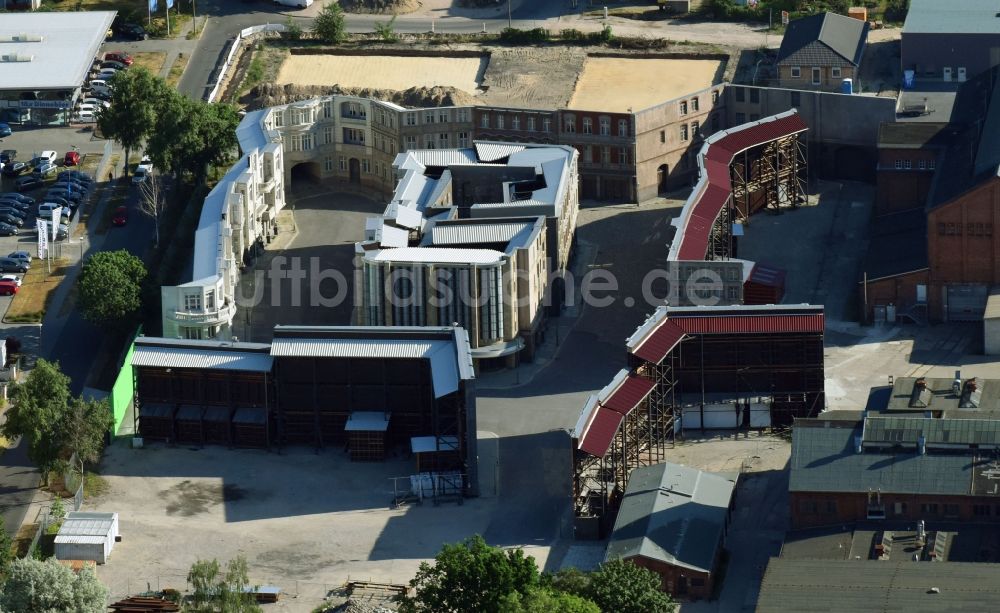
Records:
x=600, y=432
x=659, y=342
x=629, y=394
x=750, y=324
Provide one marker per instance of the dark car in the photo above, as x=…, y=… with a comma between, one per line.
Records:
x=5, y=130
x=24, y=184
x=7, y=230
x=7, y=155
x=12, y=265
x=75, y=196
x=129, y=31
x=63, y=202
x=11, y=219
x=121, y=216
x=14, y=204
x=113, y=64
x=75, y=175
x=71, y=186
x=8, y=210
x=15, y=168
x=18, y=197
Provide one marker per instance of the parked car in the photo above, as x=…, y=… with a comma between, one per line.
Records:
x=15, y=279
x=129, y=31
x=113, y=65
x=72, y=158
x=106, y=74
x=142, y=171
x=9, y=210
x=68, y=205
x=21, y=255
x=7, y=230
x=95, y=102
x=84, y=117
x=7, y=287
x=14, y=204
x=77, y=175
x=71, y=186
x=7, y=155
x=18, y=197
x=87, y=108
x=46, y=169
x=24, y=184
x=103, y=95
x=121, y=216
x=62, y=233
x=74, y=198
x=5, y=130
x=11, y=219
x=118, y=56
x=15, y=168
x=12, y=265
x=49, y=155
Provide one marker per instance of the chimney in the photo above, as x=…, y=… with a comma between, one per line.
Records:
x=857, y=443
x=956, y=385
x=922, y=445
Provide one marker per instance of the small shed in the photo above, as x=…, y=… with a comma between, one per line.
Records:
x=366, y=433
x=764, y=285
x=87, y=536
x=435, y=453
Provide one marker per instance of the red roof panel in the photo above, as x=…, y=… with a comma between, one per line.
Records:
x=739, y=141
x=629, y=394
x=659, y=342
x=597, y=439
x=770, y=276
x=750, y=324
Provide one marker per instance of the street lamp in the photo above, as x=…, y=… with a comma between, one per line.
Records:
x=509, y=26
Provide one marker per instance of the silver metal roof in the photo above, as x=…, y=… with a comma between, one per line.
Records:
x=88, y=525
x=466, y=234
x=435, y=255
x=62, y=58
x=444, y=157
x=180, y=357
x=367, y=421
x=491, y=152
x=952, y=17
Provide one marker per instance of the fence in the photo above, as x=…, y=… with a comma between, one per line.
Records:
x=221, y=70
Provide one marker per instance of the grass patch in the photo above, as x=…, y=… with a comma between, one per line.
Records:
x=94, y=485
x=89, y=163
x=177, y=70
x=87, y=209
x=30, y=302
x=178, y=21
x=152, y=61
x=23, y=538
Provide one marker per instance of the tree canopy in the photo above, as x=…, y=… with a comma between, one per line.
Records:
x=109, y=288
x=330, y=25
x=214, y=591
x=189, y=135
x=540, y=599
x=130, y=118
x=52, y=422
x=617, y=586
x=35, y=586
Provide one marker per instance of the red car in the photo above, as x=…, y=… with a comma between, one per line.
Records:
x=72, y=158
x=121, y=216
x=118, y=56
x=8, y=288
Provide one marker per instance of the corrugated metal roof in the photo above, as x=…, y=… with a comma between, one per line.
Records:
x=88, y=525
x=951, y=17
x=177, y=357
x=661, y=341
x=466, y=234
x=750, y=324
x=600, y=431
x=946, y=432
x=367, y=421
x=629, y=390
x=444, y=157
x=769, y=276
x=673, y=514
x=436, y=255
x=492, y=152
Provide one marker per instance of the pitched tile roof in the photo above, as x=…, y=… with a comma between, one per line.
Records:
x=824, y=39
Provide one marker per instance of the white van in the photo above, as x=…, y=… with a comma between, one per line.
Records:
x=45, y=210
x=299, y=3
x=84, y=117
x=49, y=156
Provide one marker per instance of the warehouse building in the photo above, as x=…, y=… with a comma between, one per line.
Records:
x=950, y=41
x=45, y=59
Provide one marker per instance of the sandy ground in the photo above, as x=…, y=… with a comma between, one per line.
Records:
x=382, y=72
x=526, y=77
x=617, y=85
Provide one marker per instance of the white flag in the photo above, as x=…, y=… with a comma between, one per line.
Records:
x=43, y=238
x=56, y=218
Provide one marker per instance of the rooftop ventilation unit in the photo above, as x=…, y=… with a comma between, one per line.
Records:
x=21, y=38
x=16, y=57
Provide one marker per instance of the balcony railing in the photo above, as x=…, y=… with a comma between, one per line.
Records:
x=221, y=315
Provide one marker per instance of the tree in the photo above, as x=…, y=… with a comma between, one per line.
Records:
x=7, y=554
x=546, y=600
x=623, y=587
x=470, y=576
x=213, y=591
x=37, y=406
x=329, y=25
x=190, y=135
x=387, y=31
x=83, y=427
x=132, y=113
x=109, y=288
x=152, y=200
x=35, y=586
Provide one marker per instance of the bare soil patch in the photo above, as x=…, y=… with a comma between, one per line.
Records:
x=271, y=94
x=382, y=71
x=619, y=84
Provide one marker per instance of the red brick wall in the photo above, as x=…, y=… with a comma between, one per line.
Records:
x=900, y=291
x=903, y=188
x=962, y=245
x=811, y=509
x=671, y=576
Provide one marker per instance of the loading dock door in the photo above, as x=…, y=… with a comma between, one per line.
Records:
x=966, y=302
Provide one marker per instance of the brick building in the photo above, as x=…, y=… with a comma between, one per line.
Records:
x=820, y=51
x=673, y=521
x=908, y=154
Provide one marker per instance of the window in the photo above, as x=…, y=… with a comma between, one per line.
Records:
x=588, y=125
x=192, y=333
x=515, y=122
x=411, y=119
x=307, y=141
x=443, y=140
x=684, y=132
x=929, y=508
x=755, y=96
x=411, y=142
x=741, y=94
x=951, y=510
x=923, y=164
x=605, y=126
x=899, y=508
x=622, y=128
x=663, y=136
x=817, y=76
x=835, y=72
x=428, y=141
x=588, y=154
x=500, y=122
x=715, y=96
x=695, y=129
x=429, y=117
x=354, y=136
x=796, y=99
x=531, y=124
x=442, y=116
x=740, y=117
x=569, y=124
x=328, y=164
x=463, y=139
x=899, y=165
x=327, y=110
x=327, y=136
x=908, y=164
x=952, y=230
x=546, y=124
x=731, y=293
x=683, y=107
x=484, y=121
x=694, y=104
x=192, y=302
x=279, y=119
x=930, y=164
x=366, y=165
x=796, y=72
x=342, y=163
x=622, y=156
x=606, y=155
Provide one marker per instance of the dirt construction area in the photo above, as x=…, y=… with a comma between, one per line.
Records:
x=382, y=71
x=639, y=83
x=306, y=522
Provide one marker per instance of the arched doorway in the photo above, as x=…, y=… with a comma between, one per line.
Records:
x=662, y=175
x=354, y=165
x=305, y=171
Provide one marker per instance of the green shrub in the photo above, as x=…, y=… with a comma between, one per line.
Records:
x=521, y=37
